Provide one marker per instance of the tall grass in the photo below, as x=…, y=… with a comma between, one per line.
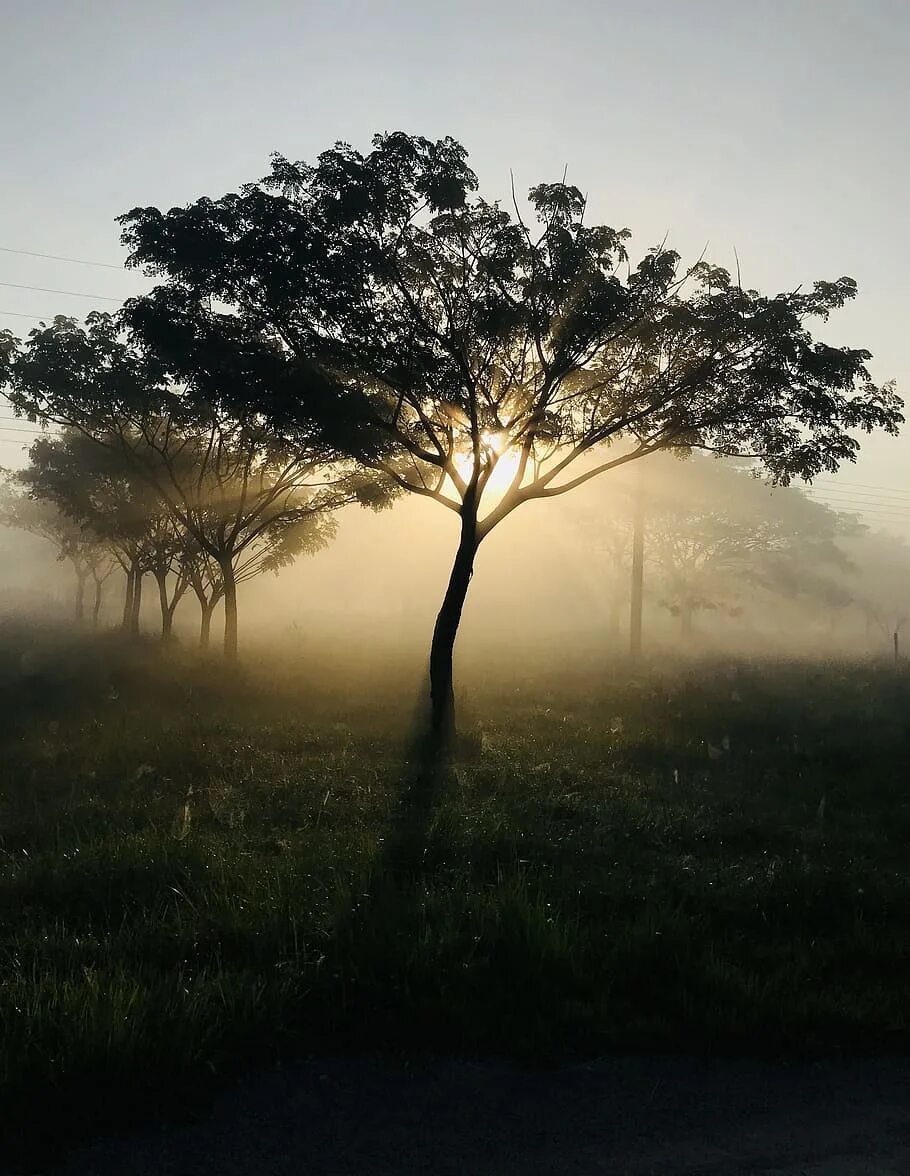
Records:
x=198, y=874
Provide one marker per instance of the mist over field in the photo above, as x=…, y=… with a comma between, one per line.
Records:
x=553, y=589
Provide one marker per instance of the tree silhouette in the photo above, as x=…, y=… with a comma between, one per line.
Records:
x=717, y=531
x=882, y=592
x=240, y=497
x=93, y=488
x=87, y=554
x=480, y=357
x=207, y=584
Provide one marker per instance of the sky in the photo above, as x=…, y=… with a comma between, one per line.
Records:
x=773, y=128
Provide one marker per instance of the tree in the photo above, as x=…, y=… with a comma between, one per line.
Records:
x=239, y=491
x=483, y=358
x=170, y=553
x=715, y=530
x=881, y=590
x=240, y=495
x=94, y=489
x=207, y=584
x=101, y=571
x=75, y=544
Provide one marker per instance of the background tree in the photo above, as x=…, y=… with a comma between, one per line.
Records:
x=240, y=494
x=101, y=570
x=84, y=551
x=716, y=538
x=91, y=486
x=207, y=584
x=482, y=359
x=880, y=587
x=170, y=554
x=714, y=532
x=249, y=498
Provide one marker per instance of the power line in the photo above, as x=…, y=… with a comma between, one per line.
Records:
x=897, y=505
x=862, y=486
x=19, y=314
x=860, y=495
x=69, y=293
x=863, y=504
x=56, y=257
x=872, y=499
x=878, y=513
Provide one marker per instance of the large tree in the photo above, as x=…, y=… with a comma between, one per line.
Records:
x=482, y=357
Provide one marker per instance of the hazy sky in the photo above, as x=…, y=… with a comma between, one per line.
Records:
x=776, y=127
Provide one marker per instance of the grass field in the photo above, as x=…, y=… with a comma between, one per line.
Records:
x=199, y=873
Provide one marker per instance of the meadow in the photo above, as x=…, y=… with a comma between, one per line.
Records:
x=202, y=870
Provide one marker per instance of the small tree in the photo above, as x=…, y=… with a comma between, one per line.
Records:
x=170, y=555
x=240, y=495
x=101, y=570
x=483, y=359
x=85, y=552
x=207, y=584
x=92, y=487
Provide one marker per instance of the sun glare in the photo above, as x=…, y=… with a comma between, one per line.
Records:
x=494, y=444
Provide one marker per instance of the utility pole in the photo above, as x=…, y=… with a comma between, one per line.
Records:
x=638, y=568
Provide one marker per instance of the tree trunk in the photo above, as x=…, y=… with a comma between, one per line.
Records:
x=137, y=601
x=96, y=606
x=230, y=610
x=685, y=615
x=442, y=691
x=167, y=609
x=205, y=628
x=81, y=577
x=128, y=600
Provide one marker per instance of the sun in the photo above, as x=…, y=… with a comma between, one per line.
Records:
x=495, y=446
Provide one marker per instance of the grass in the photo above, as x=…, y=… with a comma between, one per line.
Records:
x=199, y=873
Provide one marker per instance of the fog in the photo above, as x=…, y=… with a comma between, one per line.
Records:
x=757, y=569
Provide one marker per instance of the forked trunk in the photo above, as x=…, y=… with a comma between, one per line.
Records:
x=442, y=691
